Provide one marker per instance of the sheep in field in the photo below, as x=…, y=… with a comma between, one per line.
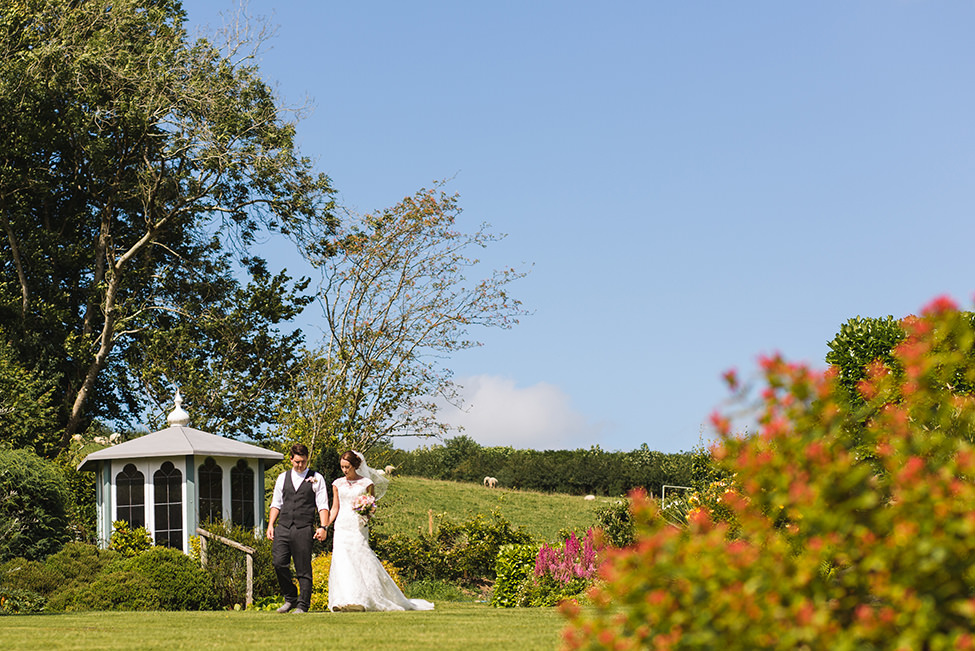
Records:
x=491, y=482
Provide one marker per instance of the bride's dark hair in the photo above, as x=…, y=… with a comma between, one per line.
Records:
x=352, y=458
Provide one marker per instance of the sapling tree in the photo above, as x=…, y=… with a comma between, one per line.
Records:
x=829, y=549
x=397, y=302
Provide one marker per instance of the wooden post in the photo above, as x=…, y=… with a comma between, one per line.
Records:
x=236, y=545
x=203, y=551
x=430, y=520
x=250, y=580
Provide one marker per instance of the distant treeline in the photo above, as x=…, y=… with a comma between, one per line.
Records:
x=579, y=472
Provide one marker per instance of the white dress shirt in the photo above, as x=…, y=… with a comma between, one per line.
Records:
x=318, y=485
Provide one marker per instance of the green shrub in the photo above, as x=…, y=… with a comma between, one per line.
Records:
x=435, y=591
x=833, y=549
x=515, y=565
x=158, y=579
x=416, y=558
x=82, y=506
x=75, y=562
x=113, y=589
x=615, y=522
x=23, y=574
x=227, y=567
x=33, y=517
x=78, y=562
x=544, y=591
x=128, y=541
x=15, y=601
x=463, y=553
x=470, y=548
x=179, y=581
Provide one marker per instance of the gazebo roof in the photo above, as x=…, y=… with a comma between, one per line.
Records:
x=178, y=440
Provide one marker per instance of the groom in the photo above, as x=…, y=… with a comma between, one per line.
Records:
x=297, y=495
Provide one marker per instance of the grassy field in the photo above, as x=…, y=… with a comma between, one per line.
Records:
x=450, y=626
x=407, y=506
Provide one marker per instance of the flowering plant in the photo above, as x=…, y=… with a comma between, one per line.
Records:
x=365, y=506
x=575, y=559
x=848, y=511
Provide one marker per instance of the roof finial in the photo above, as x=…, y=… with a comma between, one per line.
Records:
x=178, y=416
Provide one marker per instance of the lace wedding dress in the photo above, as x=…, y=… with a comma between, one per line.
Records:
x=356, y=576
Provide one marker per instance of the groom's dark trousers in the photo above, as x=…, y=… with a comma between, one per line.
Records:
x=293, y=536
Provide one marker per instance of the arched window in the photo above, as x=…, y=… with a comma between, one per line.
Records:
x=242, y=495
x=130, y=496
x=211, y=491
x=168, y=485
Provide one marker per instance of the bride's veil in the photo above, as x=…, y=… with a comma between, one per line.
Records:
x=380, y=482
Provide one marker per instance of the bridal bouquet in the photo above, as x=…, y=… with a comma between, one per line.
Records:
x=365, y=506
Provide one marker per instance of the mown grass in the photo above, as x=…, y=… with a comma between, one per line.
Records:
x=450, y=626
x=407, y=506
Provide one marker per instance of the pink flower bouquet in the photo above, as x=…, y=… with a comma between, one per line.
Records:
x=365, y=506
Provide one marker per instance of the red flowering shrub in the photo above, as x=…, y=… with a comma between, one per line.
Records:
x=855, y=525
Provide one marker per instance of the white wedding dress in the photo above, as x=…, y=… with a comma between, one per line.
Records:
x=356, y=576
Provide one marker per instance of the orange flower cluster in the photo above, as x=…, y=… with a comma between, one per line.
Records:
x=850, y=527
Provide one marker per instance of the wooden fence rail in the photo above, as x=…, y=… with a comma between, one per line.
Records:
x=204, y=534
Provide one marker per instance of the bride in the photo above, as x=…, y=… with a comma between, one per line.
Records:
x=357, y=579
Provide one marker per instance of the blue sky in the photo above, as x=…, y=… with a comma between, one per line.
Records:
x=693, y=183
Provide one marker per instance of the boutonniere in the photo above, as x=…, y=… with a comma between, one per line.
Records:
x=312, y=480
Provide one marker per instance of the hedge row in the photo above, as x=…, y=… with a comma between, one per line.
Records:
x=577, y=472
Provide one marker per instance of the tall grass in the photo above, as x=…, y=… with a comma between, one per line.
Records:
x=410, y=502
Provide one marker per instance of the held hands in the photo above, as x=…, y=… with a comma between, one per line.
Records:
x=321, y=533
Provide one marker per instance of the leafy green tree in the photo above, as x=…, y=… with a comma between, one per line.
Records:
x=33, y=506
x=27, y=418
x=132, y=162
x=859, y=343
x=231, y=360
x=396, y=302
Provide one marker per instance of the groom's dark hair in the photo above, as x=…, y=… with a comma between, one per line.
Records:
x=299, y=450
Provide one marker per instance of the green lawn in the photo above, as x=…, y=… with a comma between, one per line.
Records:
x=450, y=626
x=409, y=501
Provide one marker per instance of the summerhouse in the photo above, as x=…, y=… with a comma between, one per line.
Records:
x=172, y=480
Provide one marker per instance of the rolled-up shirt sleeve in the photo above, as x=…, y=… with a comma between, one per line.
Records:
x=321, y=493
x=277, y=495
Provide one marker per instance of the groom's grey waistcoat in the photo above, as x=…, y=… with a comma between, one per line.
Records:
x=298, y=507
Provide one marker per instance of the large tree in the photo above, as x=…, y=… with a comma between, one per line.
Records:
x=397, y=303
x=133, y=163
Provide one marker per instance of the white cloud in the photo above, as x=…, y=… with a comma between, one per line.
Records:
x=539, y=417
